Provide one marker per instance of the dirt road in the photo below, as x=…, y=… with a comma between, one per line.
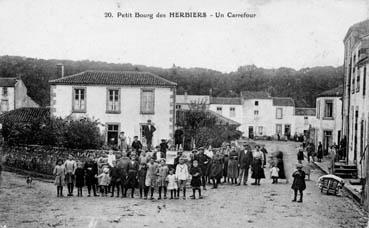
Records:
x=264, y=206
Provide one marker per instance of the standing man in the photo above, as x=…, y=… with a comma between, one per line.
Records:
x=123, y=165
x=203, y=161
x=264, y=154
x=148, y=131
x=70, y=167
x=244, y=161
x=136, y=145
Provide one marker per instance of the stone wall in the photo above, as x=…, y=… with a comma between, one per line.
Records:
x=42, y=159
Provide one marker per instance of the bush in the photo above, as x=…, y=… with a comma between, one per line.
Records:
x=78, y=134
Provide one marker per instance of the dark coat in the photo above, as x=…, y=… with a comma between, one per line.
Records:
x=164, y=147
x=122, y=165
x=245, y=160
x=115, y=175
x=300, y=155
x=80, y=177
x=148, y=133
x=196, y=180
x=137, y=145
x=203, y=161
x=141, y=177
x=320, y=151
x=132, y=181
x=90, y=171
x=298, y=180
x=257, y=170
x=216, y=170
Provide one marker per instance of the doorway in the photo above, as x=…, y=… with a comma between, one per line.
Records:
x=327, y=141
x=112, y=135
x=251, y=132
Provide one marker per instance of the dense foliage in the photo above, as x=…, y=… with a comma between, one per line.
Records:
x=76, y=134
x=202, y=129
x=302, y=85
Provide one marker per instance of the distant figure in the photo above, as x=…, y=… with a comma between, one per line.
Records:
x=164, y=146
x=123, y=141
x=70, y=167
x=59, y=173
x=298, y=184
x=136, y=145
x=274, y=174
x=300, y=154
x=178, y=138
x=148, y=131
x=320, y=152
x=310, y=151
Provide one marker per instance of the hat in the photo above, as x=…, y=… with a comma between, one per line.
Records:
x=299, y=166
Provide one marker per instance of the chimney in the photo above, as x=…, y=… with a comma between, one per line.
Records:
x=60, y=70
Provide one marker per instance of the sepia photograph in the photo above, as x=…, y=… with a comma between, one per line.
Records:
x=184, y=113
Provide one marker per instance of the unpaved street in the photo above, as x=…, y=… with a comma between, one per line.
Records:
x=264, y=206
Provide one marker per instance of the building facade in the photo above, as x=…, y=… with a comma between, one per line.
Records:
x=355, y=98
x=120, y=101
x=328, y=124
x=229, y=107
x=13, y=95
x=305, y=118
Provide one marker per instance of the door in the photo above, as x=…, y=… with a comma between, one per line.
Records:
x=251, y=132
x=287, y=131
x=113, y=131
x=327, y=141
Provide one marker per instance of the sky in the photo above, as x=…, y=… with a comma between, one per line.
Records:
x=284, y=33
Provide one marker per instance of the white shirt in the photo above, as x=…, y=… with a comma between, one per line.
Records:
x=182, y=172
x=111, y=158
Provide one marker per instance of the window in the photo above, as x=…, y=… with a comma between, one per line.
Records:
x=113, y=101
x=256, y=112
x=260, y=130
x=4, y=106
x=358, y=81
x=147, y=101
x=219, y=110
x=112, y=134
x=5, y=91
x=328, y=109
x=79, y=100
x=256, y=103
x=364, y=81
x=353, y=84
x=178, y=107
x=278, y=129
x=306, y=120
x=279, y=113
x=232, y=111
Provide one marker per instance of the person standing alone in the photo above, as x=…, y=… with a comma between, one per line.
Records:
x=148, y=131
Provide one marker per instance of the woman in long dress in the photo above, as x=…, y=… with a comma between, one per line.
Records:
x=232, y=172
x=257, y=166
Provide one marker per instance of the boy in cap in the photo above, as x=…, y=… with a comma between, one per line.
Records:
x=298, y=184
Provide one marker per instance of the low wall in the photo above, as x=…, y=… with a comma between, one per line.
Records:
x=42, y=159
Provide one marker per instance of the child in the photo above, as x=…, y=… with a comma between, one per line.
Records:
x=151, y=176
x=172, y=183
x=274, y=174
x=162, y=176
x=59, y=172
x=104, y=181
x=115, y=178
x=298, y=184
x=80, y=178
x=196, y=174
x=141, y=179
x=300, y=154
x=182, y=176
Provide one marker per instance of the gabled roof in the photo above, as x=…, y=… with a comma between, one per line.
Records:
x=335, y=92
x=25, y=114
x=361, y=28
x=305, y=111
x=283, y=101
x=186, y=99
x=221, y=120
x=8, y=82
x=255, y=95
x=127, y=78
x=225, y=100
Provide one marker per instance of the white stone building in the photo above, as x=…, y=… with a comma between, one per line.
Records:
x=229, y=107
x=120, y=101
x=304, y=119
x=13, y=95
x=356, y=98
x=327, y=127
